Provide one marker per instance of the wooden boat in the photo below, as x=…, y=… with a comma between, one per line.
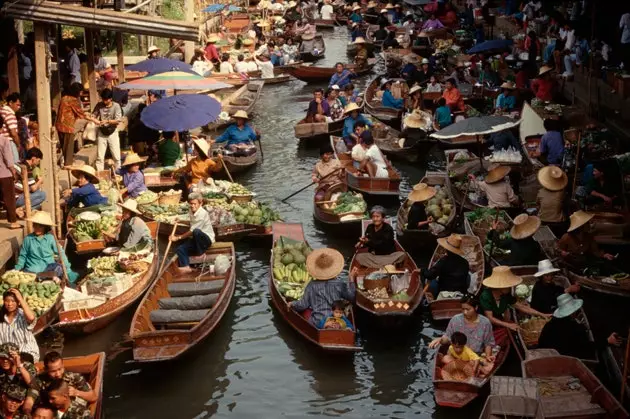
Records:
x=312, y=74
x=451, y=393
x=373, y=105
x=169, y=340
x=327, y=216
x=326, y=339
x=614, y=359
x=89, y=320
x=92, y=368
x=446, y=308
x=312, y=49
x=502, y=407
x=278, y=79
x=529, y=340
x=323, y=23
x=594, y=283
x=387, y=142
x=238, y=164
x=425, y=237
x=382, y=307
x=365, y=184
x=371, y=46
x=242, y=99
x=590, y=400
x=317, y=131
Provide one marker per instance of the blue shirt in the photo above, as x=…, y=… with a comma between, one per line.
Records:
x=355, y=17
x=552, y=145
x=86, y=194
x=319, y=296
x=443, y=116
x=357, y=32
x=506, y=102
x=390, y=101
x=340, y=80
x=134, y=182
x=348, y=124
x=38, y=252
x=234, y=135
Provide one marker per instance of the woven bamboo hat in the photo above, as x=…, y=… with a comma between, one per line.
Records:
x=131, y=205
x=203, y=146
x=416, y=119
x=544, y=70
x=41, y=217
x=88, y=171
x=324, y=264
x=421, y=192
x=152, y=48
x=502, y=277
x=389, y=6
x=567, y=305
x=496, y=174
x=552, y=178
x=352, y=107
x=508, y=85
x=414, y=89
x=578, y=219
x=133, y=158
x=383, y=11
x=372, y=4
x=524, y=226
x=357, y=7
x=545, y=267
x=359, y=40
x=452, y=243
x=240, y=114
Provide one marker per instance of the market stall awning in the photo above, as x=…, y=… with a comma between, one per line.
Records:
x=175, y=80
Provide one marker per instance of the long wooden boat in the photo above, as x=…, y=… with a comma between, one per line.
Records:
x=425, y=237
x=382, y=307
x=446, y=308
x=313, y=49
x=242, y=99
x=374, y=106
x=312, y=74
x=324, y=23
x=365, y=184
x=326, y=339
x=327, y=216
x=311, y=132
x=278, y=79
x=590, y=400
x=451, y=393
x=169, y=340
x=501, y=407
x=594, y=283
x=530, y=341
x=614, y=362
x=388, y=142
x=238, y=164
x=89, y=320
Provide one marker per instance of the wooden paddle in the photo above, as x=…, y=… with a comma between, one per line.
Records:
x=225, y=167
x=63, y=265
x=310, y=184
x=168, y=247
x=626, y=360
x=115, y=180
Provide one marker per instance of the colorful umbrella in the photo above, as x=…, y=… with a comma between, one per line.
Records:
x=181, y=112
x=161, y=65
x=176, y=80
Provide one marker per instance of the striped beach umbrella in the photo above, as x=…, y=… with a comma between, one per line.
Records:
x=175, y=80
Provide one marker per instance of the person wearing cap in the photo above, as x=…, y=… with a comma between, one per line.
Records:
x=324, y=265
x=545, y=291
x=210, y=51
x=524, y=250
x=497, y=189
x=353, y=116
x=578, y=245
x=86, y=193
x=453, y=97
x=451, y=272
x=17, y=321
x=417, y=216
x=200, y=236
x=327, y=171
x=109, y=115
x=58, y=393
x=506, y=101
x=239, y=136
x=201, y=166
x=12, y=399
x=379, y=241
x=496, y=299
x=388, y=100
x=341, y=78
x=566, y=333
x=133, y=178
x=432, y=23
x=550, y=198
x=14, y=370
x=551, y=147
x=544, y=86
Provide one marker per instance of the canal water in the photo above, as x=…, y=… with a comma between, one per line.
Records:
x=253, y=365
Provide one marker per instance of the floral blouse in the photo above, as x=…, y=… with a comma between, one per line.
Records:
x=336, y=110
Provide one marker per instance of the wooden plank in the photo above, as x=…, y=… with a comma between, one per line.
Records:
x=189, y=46
x=56, y=81
x=13, y=70
x=514, y=386
x=120, y=55
x=89, y=46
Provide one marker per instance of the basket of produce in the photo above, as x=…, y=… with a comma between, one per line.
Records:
x=346, y=203
x=440, y=207
x=378, y=293
x=147, y=198
x=40, y=296
x=88, y=235
x=481, y=222
x=377, y=280
x=170, y=197
x=531, y=329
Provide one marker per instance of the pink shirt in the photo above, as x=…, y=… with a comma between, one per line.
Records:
x=6, y=157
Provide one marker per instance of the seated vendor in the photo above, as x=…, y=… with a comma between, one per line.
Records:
x=506, y=101
x=379, y=242
x=417, y=217
x=552, y=143
x=39, y=250
x=199, y=168
x=388, y=100
x=453, y=97
x=338, y=320
x=168, y=149
x=327, y=171
x=544, y=86
x=318, y=110
x=451, y=272
x=240, y=136
x=133, y=178
x=416, y=124
x=600, y=189
x=578, y=246
x=498, y=191
x=523, y=249
x=545, y=291
x=353, y=116
x=200, y=236
x=133, y=230
x=442, y=117
x=86, y=193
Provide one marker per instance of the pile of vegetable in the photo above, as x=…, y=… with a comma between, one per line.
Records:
x=167, y=213
x=377, y=294
x=347, y=202
x=85, y=230
x=215, y=200
x=146, y=197
x=481, y=220
x=523, y=291
x=440, y=206
x=224, y=187
x=104, y=186
x=253, y=212
x=40, y=296
x=220, y=216
x=103, y=267
x=289, y=267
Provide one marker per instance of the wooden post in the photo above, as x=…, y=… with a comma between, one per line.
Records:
x=42, y=83
x=13, y=70
x=56, y=187
x=121, y=57
x=27, y=198
x=189, y=46
x=89, y=49
x=56, y=82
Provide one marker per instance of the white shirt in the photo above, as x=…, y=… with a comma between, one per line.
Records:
x=327, y=11
x=624, y=24
x=266, y=69
x=376, y=157
x=570, y=41
x=252, y=66
x=226, y=68
x=201, y=220
x=201, y=67
x=240, y=67
x=358, y=153
x=433, y=88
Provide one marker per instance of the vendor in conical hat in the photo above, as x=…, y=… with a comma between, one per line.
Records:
x=578, y=246
x=416, y=124
x=327, y=171
x=133, y=178
x=496, y=187
x=451, y=272
x=324, y=265
x=523, y=249
x=417, y=218
x=202, y=166
x=240, y=136
x=496, y=299
x=546, y=291
x=86, y=193
x=550, y=198
x=132, y=230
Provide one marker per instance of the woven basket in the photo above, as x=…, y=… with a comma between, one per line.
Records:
x=241, y=198
x=531, y=330
x=170, y=199
x=136, y=266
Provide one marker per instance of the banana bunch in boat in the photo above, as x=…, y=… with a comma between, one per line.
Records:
x=291, y=273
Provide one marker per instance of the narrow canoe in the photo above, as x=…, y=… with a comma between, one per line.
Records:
x=312, y=74
x=592, y=400
x=374, y=106
x=311, y=132
x=529, y=342
x=594, y=283
x=501, y=407
x=324, y=23
x=238, y=164
x=89, y=320
x=388, y=142
x=241, y=99
x=446, y=308
x=327, y=216
x=459, y=163
x=326, y=339
x=371, y=48
x=160, y=342
x=313, y=49
x=367, y=185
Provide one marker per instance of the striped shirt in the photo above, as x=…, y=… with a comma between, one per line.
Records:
x=319, y=296
x=20, y=333
x=10, y=120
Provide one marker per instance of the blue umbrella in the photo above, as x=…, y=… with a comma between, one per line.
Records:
x=181, y=112
x=161, y=65
x=495, y=44
x=215, y=8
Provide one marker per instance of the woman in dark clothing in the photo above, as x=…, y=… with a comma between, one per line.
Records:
x=524, y=250
x=417, y=218
x=451, y=273
x=391, y=41
x=379, y=242
x=545, y=292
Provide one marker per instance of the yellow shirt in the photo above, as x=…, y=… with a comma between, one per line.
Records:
x=200, y=169
x=466, y=355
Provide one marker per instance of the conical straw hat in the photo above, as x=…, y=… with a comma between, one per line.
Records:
x=241, y=114
x=416, y=119
x=133, y=158
x=89, y=171
x=578, y=219
x=414, y=89
x=496, y=174
x=502, y=277
x=203, y=146
x=524, y=226
x=324, y=264
x=421, y=192
x=452, y=243
x=359, y=40
x=131, y=205
x=544, y=70
x=352, y=107
x=41, y=217
x=552, y=178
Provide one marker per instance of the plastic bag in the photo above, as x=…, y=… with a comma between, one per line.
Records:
x=221, y=264
x=399, y=283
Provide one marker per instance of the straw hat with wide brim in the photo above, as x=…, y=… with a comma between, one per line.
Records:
x=552, y=178
x=567, y=305
x=545, y=267
x=544, y=70
x=324, y=264
x=452, y=243
x=391, y=269
x=42, y=218
x=524, y=226
x=247, y=42
x=130, y=205
x=415, y=89
x=383, y=11
x=421, y=192
x=133, y=158
x=352, y=107
x=152, y=48
x=508, y=85
x=355, y=8
x=240, y=114
x=88, y=171
x=578, y=219
x=416, y=119
x=496, y=174
x=203, y=146
x=372, y=4
x=308, y=37
x=502, y=277
x=389, y=6
x=359, y=40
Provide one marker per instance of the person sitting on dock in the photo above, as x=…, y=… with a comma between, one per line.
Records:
x=353, y=117
x=327, y=171
x=498, y=191
x=133, y=178
x=341, y=77
x=338, y=320
x=86, y=193
x=361, y=57
x=417, y=217
x=450, y=273
x=324, y=265
x=58, y=393
x=239, y=136
x=200, y=236
x=133, y=230
x=524, y=250
x=199, y=168
x=379, y=241
x=35, y=180
x=388, y=100
x=578, y=246
x=545, y=291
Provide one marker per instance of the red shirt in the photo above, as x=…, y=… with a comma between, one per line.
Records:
x=454, y=100
x=521, y=79
x=543, y=89
x=211, y=52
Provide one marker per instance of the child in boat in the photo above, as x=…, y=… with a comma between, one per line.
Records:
x=338, y=320
x=133, y=178
x=459, y=351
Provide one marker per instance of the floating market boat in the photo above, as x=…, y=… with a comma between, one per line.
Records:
x=311, y=132
x=501, y=407
x=89, y=320
x=373, y=103
x=367, y=185
x=326, y=202
x=326, y=339
x=568, y=389
x=237, y=164
x=312, y=74
x=242, y=99
x=161, y=329
x=446, y=308
x=312, y=49
x=388, y=142
x=324, y=23
x=617, y=285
